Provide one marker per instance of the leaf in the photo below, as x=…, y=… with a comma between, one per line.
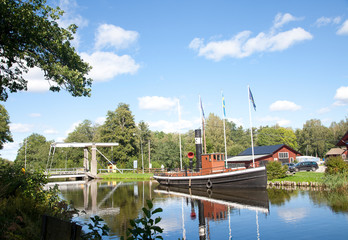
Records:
x=147, y=212
x=149, y=203
x=157, y=210
x=157, y=220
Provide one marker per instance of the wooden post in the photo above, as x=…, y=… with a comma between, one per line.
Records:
x=85, y=159
x=94, y=165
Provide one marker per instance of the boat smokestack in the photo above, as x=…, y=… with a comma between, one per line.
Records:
x=198, y=141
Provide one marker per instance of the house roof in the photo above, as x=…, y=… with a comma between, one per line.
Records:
x=245, y=158
x=335, y=151
x=261, y=150
x=343, y=141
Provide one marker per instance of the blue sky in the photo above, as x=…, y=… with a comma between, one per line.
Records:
x=154, y=54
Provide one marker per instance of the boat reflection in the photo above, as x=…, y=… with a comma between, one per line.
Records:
x=217, y=204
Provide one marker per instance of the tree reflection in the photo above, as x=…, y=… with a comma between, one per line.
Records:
x=280, y=196
x=337, y=201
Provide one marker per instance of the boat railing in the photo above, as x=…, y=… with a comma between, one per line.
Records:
x=192, y=172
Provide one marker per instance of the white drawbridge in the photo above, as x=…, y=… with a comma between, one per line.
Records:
x=90, y=168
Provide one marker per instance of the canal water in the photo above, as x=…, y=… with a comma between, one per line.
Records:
x=217, y=214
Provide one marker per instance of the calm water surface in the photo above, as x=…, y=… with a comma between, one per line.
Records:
x=223, y=214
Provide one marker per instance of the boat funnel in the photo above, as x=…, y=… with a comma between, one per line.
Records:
x=198, y=141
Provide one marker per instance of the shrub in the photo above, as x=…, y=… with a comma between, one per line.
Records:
x=335, y=165
x=275, y=170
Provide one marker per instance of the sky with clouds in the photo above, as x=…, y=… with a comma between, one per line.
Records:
x=156, y=55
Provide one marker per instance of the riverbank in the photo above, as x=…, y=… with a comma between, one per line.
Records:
x=135, y=176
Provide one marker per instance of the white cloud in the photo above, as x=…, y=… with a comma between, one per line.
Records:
x=168, y=127
x=242, y=45
x=51, y=131
x=35, y=115
x=107, y=65
x=71, y=17
x=157, y=103
x=37, y=81
x=324, y=110
x=10, y=150
x=237, y=121
x=20, y=127
x=100, y=120
x=109, y=35
x=323, y=21
x=281, y=19
x=292, y=215
x=72, y=127
x=284, y=106
x=274, y=120
x=343, y=30
x=341, y=96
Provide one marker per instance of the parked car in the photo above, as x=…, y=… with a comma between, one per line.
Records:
x=306, y=166
x=291, y=166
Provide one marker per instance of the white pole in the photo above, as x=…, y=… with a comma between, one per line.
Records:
x=223, y=117
x=251, y=130
x=142, y=155
x=25, y=155
x=179, y=113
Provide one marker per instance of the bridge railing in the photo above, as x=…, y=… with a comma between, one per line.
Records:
x=65, y=170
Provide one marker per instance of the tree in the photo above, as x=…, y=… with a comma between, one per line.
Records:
x=73, y=157
x=31, y=37
x=5, y=134
x=144, y=135
x=120, y=127
x=35, y=150
x=276, y=135
x=312, y=139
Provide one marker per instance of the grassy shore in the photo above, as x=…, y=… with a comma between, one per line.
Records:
x=135, y=176
x=317, y=177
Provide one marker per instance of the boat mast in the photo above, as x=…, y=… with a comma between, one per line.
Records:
x=203, y=122
x=224, y=119
x=251, y=127
x=179, y=113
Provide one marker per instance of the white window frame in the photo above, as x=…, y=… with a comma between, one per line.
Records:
x=283, y=157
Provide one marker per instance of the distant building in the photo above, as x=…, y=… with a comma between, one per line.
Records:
x=341, y=150
x=264, y=154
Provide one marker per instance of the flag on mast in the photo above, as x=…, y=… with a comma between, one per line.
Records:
x=223, y=105
x=200, y=100
x=252, y=99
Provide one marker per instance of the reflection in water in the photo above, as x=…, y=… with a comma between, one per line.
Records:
x=216, y=205
x=217, y=214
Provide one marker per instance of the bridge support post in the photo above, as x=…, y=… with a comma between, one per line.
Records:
x=85, y=159
x=94, y=165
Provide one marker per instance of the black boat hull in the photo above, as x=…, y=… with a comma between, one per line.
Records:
x=248, y=178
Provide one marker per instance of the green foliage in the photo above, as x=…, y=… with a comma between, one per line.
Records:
x=31, y=37
x=275, y=169
x=23, y=201
x=119, y=127
x=35, y=149
x=145, y=227
x=337, y=182
x=336, y=165
x=5, y=134
x=314, y=138
x=276, y=135
x=97, y=229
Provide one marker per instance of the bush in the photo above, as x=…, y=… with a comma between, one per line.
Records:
x=275, y=170
x=23, y=201
x=336, y=165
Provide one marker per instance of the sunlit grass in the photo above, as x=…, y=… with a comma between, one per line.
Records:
x=303, y=177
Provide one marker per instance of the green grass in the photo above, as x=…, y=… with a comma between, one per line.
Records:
x=303, y=177
x=136, y=176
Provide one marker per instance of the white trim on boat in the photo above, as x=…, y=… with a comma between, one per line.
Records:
x=217, y=175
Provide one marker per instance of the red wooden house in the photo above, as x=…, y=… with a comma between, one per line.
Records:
x=263, y=154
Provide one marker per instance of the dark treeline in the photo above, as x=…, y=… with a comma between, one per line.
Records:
x=313, y=139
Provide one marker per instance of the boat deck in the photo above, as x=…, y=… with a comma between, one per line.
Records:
x=200, y=173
